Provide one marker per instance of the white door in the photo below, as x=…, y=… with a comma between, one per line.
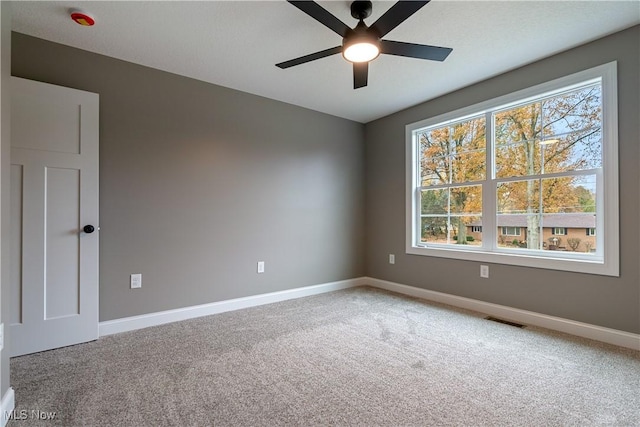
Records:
x=54, y=195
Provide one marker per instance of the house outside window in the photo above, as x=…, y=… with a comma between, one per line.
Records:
x=539, y=165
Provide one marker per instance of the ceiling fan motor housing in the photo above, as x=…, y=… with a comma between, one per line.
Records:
x=361, y=9
x=361, y=34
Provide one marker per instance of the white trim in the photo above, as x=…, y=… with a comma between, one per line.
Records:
x=110, y=327
x=611, y=204
x=7, y=406
x=604, y=261
x=585, y=330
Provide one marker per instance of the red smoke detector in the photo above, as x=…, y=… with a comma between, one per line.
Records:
x=82, y=18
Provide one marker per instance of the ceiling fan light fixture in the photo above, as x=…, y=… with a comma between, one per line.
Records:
x=362, y=50
x=362, y=44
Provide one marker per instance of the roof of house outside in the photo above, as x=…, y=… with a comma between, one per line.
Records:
x=566, y=220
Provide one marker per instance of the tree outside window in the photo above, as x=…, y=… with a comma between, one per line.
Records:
x=546, y=153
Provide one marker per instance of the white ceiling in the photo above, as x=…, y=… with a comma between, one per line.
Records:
x=237, y=44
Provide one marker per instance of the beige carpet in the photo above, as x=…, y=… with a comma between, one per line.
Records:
x=359, y=357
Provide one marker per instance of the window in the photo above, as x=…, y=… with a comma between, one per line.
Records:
x=510, y=231
x=533, y=164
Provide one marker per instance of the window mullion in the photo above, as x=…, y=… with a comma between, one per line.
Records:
x=489, y=189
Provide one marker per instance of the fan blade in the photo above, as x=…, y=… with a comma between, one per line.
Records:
x=360, y=74
x=310, y=57
x=412, y=50
x=321, y=15
x=395, y=16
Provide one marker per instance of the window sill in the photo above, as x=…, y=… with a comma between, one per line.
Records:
x=563, y=261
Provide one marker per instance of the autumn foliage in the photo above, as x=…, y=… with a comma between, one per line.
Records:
x=542, y=159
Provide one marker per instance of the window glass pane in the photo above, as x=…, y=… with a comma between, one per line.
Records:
x=468, y=148
x=435, y=156
x=468, y=135
x=435, y=142
x=585, y=190
x=434, y=230
x=519, y=197
x=517, y=132
x=518, y=124
x=517, y=159
x=468, y=166
x=574, y=119
x=586, y=148
x=466, y=200
x=566, y=232
x=434, y=171
x=569, y=206
x=457, y=200
x=558, y=134
x=572, y=151
x=569, y=194
x=572, y=110
x=454, y=153
x=435, y=202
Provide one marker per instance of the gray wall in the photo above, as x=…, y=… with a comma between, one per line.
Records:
x=5, y=194
x=199, y=182
x=605, y=301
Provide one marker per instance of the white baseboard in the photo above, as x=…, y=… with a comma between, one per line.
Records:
x=585, y=330
x=110, y=327
x=7, y=406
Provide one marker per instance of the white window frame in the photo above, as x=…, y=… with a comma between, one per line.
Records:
x=476, y=229
x=591, y=231
x=559, y=231
x=605, y=260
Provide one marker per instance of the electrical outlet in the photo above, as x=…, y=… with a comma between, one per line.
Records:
x=392, y=259
x=136, y=281
x=260, y=266
x=484, y=271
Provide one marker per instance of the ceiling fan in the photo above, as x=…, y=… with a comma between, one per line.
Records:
x=363, y=43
